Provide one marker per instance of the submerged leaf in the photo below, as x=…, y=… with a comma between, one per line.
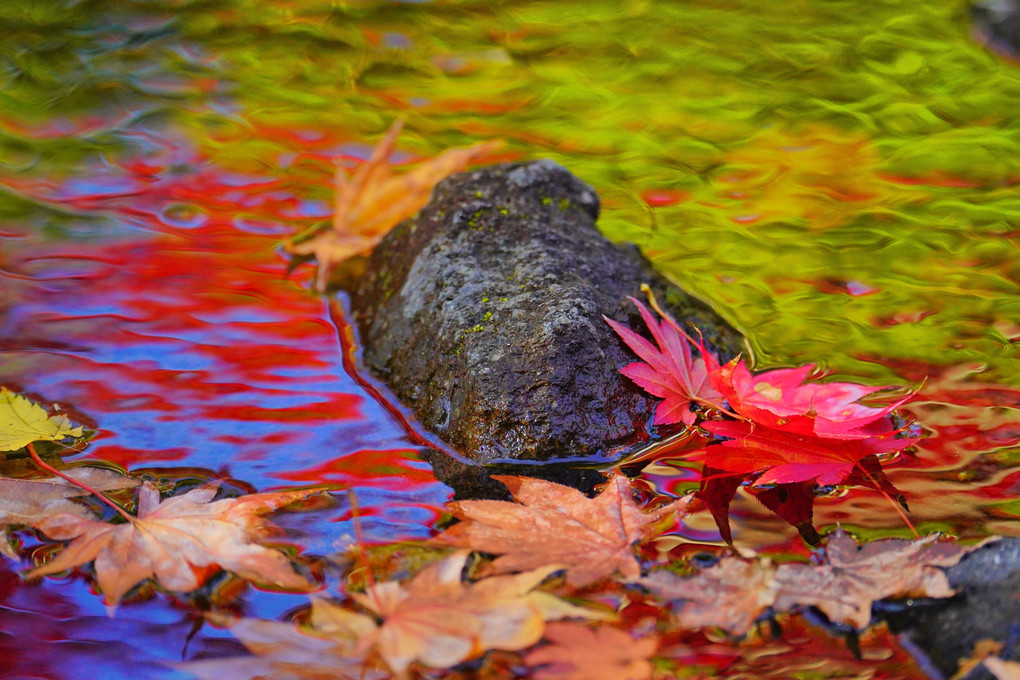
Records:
x=282, y=651
x=857, y=576
x=173, y=540
x=579, y=652
x=730, y=595
x=557, y=525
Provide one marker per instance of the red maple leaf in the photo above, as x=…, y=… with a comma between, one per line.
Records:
x=669, y=370
x=784, y=432
x=785, y=458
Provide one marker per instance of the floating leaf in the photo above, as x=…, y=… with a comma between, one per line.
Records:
x=578, y=652
x=172, y=541
x=23, y=421
x=857, y=576
x=375, y=200
x=282, y=651
x=29, y=501
x=591, y=538
x=668, y=370
x=730, y=595
x=440, y=620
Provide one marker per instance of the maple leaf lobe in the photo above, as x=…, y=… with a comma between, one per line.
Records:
x=556, y=525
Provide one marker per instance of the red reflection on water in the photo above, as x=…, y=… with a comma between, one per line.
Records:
x=659, y=198
x=366, y=465
x=180, y=337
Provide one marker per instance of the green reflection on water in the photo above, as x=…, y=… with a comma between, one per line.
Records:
x=818, y=149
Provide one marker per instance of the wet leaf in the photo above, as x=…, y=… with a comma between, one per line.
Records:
x=668, y=369
x=730, y=595
x=857, y=576
x=375, y=199
x=175, y=541
x=578, y=652
x=440, y=620
x=785, y=458
x=29, y=501
x=784, y=399
x=555, y=525
x=23, y=422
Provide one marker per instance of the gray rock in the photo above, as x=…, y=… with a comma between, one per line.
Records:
x=997, y=24
x=484, y=315
x=941, y=634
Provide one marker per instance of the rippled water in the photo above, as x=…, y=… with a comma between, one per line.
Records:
x=839, y=179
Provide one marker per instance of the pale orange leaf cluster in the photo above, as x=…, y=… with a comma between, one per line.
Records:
x=375, y=199
x=440, y=620
x=592, y=538
x=437, y=620
x=175, y=541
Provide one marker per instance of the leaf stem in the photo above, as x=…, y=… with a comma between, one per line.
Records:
x=352, y=498
x=896, y=506
x=81, y=485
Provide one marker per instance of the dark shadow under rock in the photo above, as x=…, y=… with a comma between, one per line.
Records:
x=484, y=315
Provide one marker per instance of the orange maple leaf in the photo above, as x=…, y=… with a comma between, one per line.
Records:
x=581, y=653
x=439, y=620
x=374, y=200
x=175, y=542
x=558, y=525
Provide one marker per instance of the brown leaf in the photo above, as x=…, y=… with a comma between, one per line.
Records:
x=729, y=595
x=174, y=540
x=439, y=620
x=28, y=501
x=282, y=651
x=557, y=525
x=375, y=200
x=581, y=653
x=856, y=576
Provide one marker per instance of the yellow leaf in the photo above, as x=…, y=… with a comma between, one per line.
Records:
x=374, y=200
x=23, y=422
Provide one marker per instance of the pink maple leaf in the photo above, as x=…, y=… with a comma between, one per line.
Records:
x=782, y=399
x=668, y=370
